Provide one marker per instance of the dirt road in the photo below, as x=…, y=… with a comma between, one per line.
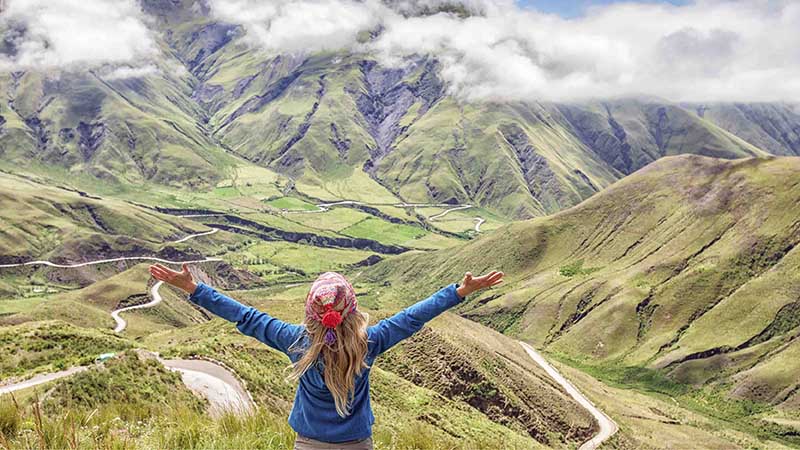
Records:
x=607, y=426
x=40, y=379
x=217, y=384
x=213, y=382
x=121, y=323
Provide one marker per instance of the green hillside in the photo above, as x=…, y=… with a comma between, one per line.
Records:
x=688, y=268
x=770, y=126
x=43, y=221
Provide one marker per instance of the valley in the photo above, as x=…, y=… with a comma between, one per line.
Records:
x=115, y=291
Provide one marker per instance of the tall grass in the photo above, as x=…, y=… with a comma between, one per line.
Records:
x=28, y=428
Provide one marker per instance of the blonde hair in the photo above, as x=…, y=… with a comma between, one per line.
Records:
x=343, y=360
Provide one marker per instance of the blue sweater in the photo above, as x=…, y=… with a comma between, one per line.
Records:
x=314, y=413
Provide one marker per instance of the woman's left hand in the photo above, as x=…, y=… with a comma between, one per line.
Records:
x=182, y=280
x=471, y=284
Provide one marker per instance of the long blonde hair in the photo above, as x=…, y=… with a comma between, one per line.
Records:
x=343, y=360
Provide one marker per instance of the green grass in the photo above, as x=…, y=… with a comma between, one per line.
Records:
x=645, y=274
x=291, y=203
x=44, y=221
x=50, y=346
x=91, y=306
x=283, y=260
x=114, y=426
x=22, y=305
x=335, y=219
x=133, y=387
x=576, y=269
x=710, y=401
x=387, y=232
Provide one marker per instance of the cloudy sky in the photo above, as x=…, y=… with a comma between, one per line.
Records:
x=701, y=50
x=577, y=8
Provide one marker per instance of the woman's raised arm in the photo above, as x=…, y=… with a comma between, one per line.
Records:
x=388, y=332
x=250, y=321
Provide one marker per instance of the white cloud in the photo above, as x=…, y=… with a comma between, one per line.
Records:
x=727, y=50
x=46, y=34
x=123, y=72
x=302, y=25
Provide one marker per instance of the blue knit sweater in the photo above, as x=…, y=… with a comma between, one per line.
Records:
x=314, y=413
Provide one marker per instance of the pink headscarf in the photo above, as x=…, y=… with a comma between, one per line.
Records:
x=329, y=301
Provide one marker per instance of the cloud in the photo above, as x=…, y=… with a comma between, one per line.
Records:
x=123, y=72
x=48, y=34
x=711, y=50
x=303, y=25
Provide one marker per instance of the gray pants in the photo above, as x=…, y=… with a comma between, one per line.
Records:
x=304, y=443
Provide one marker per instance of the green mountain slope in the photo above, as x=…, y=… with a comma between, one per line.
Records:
x=689, y=266
x=120, y=131
x=50, y=222
x=772, y=127
x=341, y=126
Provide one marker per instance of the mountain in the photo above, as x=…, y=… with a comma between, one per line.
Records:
x=772, y=127
x=688, y=267
x=339, y=125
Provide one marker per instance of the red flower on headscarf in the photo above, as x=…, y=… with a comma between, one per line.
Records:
x=331, y=318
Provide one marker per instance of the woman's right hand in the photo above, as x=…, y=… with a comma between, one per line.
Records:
x=181, y=280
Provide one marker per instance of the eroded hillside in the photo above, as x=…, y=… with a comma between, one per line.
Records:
x=689, y=267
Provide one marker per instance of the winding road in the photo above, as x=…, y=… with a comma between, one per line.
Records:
x=478, y=222
x=607, y=426
x=110, y=260
x=215, y=383
x=192, y=236
x=445, y=212
x=218, y=385
x=39, y=379
x=121, y=323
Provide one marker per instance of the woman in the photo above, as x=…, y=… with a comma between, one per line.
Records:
x=331, y=351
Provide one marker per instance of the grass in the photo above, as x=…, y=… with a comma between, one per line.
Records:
x=649, y=420
x=645, y=274
x=115, y=426
x=576, y=269
x=387, y=232
x=291, y=203
x=44, y=221
x=282, y=260
x=91, y=306
x=129, y=386
x=51, y=346
x=335, y=219
x=709, y=401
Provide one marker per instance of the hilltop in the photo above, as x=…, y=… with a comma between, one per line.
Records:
x=688, y=268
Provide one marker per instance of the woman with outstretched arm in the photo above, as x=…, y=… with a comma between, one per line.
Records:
x=331, y=351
